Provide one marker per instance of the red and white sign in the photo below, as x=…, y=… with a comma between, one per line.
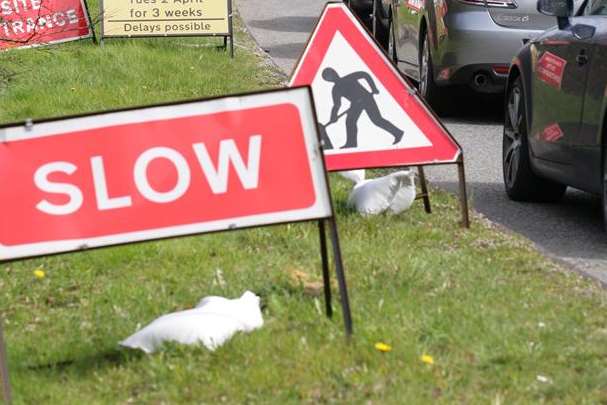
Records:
x=552, y=133
x=369, y=116
x=26, y=23
x=159, y=172
x=550, y=69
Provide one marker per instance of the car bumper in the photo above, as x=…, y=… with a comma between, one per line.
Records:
x=470, y=45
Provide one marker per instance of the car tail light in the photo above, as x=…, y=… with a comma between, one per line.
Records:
x=501, y=69
x=491, y=3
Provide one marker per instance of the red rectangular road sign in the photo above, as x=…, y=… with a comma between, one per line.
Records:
x=26, y=23
x=160, y=171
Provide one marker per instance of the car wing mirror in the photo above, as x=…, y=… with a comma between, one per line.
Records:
x=561, y=9
x=583, y=31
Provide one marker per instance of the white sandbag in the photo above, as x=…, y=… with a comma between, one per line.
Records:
x=394, y=192
x=404, y=197
x=355, y=176
x=214, y=321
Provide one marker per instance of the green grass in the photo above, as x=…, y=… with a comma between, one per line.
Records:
x=82, y=77
x=492, y=312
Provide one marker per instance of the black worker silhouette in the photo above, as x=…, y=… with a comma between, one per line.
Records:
x=350, y=88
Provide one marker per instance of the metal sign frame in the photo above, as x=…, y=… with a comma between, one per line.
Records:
x=226, y=35
x=459, y=159
x=324, y=221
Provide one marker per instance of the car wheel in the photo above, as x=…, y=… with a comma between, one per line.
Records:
x=604, y=193
x=520, y=181
x=427, y=87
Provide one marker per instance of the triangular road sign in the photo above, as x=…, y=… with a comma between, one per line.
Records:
x=369, y=116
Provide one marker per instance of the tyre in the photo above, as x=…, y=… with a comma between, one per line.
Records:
x=427, y=87
x=604, y=193
x=520, y=182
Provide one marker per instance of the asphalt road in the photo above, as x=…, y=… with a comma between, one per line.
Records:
x=570, y=230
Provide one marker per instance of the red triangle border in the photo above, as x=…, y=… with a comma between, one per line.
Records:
x=337, y=17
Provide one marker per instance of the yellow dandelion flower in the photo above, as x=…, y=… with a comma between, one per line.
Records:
x=426, y=358
x=383, y=347
x=39, y=273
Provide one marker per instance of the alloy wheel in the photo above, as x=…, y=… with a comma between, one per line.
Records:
x=604, y=199
x=423, y=71
x=513, y=133
x=522, y=183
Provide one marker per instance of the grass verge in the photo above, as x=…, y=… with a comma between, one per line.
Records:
x=471, y=316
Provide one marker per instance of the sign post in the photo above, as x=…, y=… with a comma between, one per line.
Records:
x=130, y=19
x=6, y=387
x=325, y=268
x=166, y=171
x=341, y=277
x=368, y=114
x=463, y=195
x=88, y=16
x=425, y=195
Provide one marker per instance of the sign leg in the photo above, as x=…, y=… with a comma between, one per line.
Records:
x=88, y=15
x=325, y=267
x=101, y=18
x=424, y=186
x=230, y=29
x=341, y=277
x=463, y=196
x=6, y=386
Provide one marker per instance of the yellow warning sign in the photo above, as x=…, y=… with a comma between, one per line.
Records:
x=131, y=18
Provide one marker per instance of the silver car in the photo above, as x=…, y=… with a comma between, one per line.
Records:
x=440, y=43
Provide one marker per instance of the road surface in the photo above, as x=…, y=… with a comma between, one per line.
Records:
x=569, y=231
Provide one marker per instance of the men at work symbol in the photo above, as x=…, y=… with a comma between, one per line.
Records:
x=350, y=88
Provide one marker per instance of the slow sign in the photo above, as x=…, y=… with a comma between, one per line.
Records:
x=160, y=171
x=163, y=171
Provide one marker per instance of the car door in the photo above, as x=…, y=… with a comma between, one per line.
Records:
x=560, y=60
x=407, y=19
x=587, y=146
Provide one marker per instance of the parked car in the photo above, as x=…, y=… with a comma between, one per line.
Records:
x=555, y=132
x=440, y=43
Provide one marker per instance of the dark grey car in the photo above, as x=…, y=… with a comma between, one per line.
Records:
x=452, y=42
x=556, y=103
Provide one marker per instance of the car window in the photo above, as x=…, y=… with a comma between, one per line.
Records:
x=596, y=7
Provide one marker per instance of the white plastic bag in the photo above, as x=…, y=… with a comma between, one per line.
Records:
x=394, y=192
x=214, y=321
x=355, y=176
